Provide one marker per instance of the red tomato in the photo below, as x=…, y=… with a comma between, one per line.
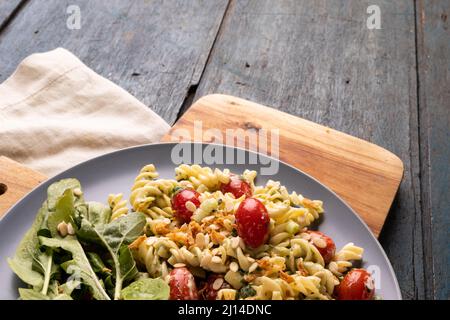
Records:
x=237, y=187
x=179, y=204
x=252, y=222
x=357, y=285
x=212, y=286
x=329, y=250
x=182, y=285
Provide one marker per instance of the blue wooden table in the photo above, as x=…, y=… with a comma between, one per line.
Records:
x=321, y=60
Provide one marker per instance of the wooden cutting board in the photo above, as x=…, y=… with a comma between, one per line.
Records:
x=16, y=181
x=365, y=175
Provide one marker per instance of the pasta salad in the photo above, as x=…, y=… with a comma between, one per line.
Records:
x=207, y=234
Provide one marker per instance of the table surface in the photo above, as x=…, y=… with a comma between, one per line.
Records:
x=314, y=59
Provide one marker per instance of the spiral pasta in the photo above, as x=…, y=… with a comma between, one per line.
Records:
x=288, y=266
x=327, y=279
x=342, y=261
x=152, y=197
x=349, y=252
x=297, y=248
x=202, y=178
x=118, y=205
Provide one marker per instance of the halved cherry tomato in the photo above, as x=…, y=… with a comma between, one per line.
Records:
x=211, y=287
x=252, y=220
x=179, y=204
x=329, y=250
x=182, y=285
x=237, y=187
x=357, y=285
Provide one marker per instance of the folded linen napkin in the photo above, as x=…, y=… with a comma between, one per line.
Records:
x=56, y=112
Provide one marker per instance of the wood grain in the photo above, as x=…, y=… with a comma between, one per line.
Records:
x=7, y=9
x=318, y=60
x=16, y=181
x=314, y=59
x=433, y=33
x=363, y=174
x=142, y=46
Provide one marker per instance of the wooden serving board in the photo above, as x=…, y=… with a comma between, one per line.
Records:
x=365, y=175
x=16, y=181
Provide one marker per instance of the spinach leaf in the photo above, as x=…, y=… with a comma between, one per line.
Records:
x=147, y=289
x=79, y=266
x=114, y=237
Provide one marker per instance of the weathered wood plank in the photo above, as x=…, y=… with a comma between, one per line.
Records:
x=433, y=33
x=7, y=7
x=318, y=60
x=153, y=49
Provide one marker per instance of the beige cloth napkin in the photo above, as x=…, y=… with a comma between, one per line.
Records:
x=56, y=112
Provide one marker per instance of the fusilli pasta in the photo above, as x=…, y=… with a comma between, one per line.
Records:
x=289, y=265
x=118, y=206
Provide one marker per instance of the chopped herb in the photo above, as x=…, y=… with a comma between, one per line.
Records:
x=247, y=292
x=176, y=189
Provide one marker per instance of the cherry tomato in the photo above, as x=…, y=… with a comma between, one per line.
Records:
x=182, y=285
x=329, y=250
x=357, y=285
x=211, y=287
x=252, y=222
x=179, y=204
x=237, y=187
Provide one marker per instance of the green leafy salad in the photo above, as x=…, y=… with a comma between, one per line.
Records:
x=74, y=251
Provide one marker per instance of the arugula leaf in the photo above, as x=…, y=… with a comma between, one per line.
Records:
x=30, y=294
x=62, y=296
x=28, y=254
x=22, y=268
x=97, y=263
x=43, y=263
x=43, y=253
x=68, y=287
x=147, y=289
x=64, y=212
x=79, y=265
x=98, y=213
x=114, y=237
x=127, y=264
x=22, y=262
x=57, y=189
x=53, y=289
